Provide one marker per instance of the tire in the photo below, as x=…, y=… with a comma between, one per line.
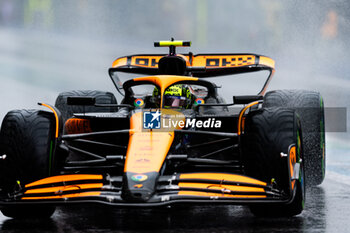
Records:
x=26, y=138
x=101, y=97
x=268, y=132
x=310, y=108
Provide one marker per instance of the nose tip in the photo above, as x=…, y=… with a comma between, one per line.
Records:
x=139, y=187
x=137, y=195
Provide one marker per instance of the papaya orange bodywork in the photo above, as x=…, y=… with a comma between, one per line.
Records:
x=223, y=61
x=240, y=118
x=85, y=194
x=64, y=178
x=205, y=194
x=56, y=118
x=292, y=161
x=220, y=187
x=148, y=149
x=58, y=189
x=266, y=61
x=222, y=177
x=120, y=62
x=77, y=125
x=209, y=61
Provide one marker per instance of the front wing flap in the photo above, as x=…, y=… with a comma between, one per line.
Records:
x=186, y=187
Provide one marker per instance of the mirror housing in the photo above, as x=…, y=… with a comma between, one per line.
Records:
x=78, y=100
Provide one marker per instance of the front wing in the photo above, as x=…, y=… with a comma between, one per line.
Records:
x=179, y=188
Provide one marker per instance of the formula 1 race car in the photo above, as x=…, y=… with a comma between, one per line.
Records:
x=171, y=140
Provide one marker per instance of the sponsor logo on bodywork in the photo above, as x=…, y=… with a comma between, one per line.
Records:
x=139, y=177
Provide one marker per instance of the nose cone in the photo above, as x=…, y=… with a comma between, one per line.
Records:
x=139, y=187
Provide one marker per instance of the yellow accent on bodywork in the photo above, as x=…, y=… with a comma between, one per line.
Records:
x=166, y=43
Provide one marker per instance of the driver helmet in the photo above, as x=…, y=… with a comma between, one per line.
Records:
x=176, y=96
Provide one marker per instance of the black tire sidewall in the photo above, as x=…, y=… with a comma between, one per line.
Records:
x=262, y=145
x=27, y=139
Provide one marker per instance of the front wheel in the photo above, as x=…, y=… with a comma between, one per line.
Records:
x=27, y=140
x=268, y=133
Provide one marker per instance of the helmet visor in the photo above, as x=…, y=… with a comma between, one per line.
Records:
x=174, y=101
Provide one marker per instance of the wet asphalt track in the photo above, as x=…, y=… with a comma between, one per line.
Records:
x=327, y=207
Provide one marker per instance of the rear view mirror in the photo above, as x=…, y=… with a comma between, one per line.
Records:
x=246, y=99
x=77, y=100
